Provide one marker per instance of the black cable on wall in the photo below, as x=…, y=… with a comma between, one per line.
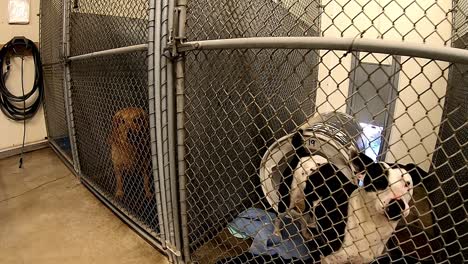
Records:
x=25, y=106
x=17, y=107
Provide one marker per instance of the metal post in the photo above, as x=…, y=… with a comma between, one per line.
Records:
x=128, y=49
x=168, y=37
x=180, y=126
x=67, y=87
x=154, y=84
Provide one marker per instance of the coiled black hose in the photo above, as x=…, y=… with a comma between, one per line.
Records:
x=18, y=108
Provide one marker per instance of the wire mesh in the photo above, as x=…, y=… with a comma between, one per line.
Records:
x=235, y=19
x=247, y=81
x=240, y=103
x=98, y=25
x=55, y=108
x=228, y=135
x=51, y=31
x=450, y=198
x=252, y=102
x=110, y=101
x=460, y=22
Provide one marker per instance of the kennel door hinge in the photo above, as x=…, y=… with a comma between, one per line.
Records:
x=173, y=249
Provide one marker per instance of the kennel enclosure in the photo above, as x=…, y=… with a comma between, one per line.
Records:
x=222, y=81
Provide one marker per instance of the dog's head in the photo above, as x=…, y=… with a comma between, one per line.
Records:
x=129, y=124
x=390, y=185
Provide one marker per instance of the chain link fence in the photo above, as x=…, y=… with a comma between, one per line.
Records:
x=102, y=25
x=51, y=38
x=111, y=123
x=106, y=103
x=240, y=102
x=111, y=112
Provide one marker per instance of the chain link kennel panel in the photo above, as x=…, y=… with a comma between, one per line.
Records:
x=111, y=108
x=449, y=201
x=57, y=124
x=238, y=104
x=51, y=47
x=110, y=101
x=98, y=25
x=51, y=31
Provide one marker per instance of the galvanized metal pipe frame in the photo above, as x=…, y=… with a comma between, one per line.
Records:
x=174, y=7
x=317, y=43
x=69, y=111
x=67, y=86
x=177, y=22
x=329, y=43
x=122, y=50
x=154, y=99
x=168, y=18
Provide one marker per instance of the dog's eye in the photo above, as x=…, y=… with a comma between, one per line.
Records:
x=407, y=184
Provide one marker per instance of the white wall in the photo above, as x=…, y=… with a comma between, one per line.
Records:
x=421, y=83
x=11, y=133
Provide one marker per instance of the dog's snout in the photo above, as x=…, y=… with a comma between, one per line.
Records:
x=395, y=209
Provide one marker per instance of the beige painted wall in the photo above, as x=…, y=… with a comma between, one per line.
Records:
x=11, y=133
x=414, y=132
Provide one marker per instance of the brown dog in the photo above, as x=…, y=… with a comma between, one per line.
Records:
x=130, y=147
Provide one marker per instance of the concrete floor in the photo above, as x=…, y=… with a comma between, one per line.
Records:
x=47, y=216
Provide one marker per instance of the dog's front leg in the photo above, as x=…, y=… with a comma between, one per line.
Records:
x=145, y=171
x=119, y=183
x=278, y=225
x=146, y=179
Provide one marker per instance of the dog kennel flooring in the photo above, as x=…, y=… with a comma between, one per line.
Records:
x=47, y=216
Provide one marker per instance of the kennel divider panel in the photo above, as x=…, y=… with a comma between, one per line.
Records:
x=55, y=100
x=224, y=21
x=450, y=210
x=100, y=87
x=51, y=31
x=227, y=122
x=98, y=25
x=162, y=107
x=450, y=194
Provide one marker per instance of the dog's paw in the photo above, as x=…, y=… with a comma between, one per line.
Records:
x=306, y=235
x=277, y=232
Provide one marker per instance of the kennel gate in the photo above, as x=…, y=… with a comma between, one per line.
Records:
x=96, y=64
x=243, y=89
x=216, y=103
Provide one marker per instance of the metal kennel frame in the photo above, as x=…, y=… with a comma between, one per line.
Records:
x=118, y=55
x=221, y=81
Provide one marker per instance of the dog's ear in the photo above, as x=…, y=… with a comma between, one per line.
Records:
x=360, y=162
x=417, y=174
